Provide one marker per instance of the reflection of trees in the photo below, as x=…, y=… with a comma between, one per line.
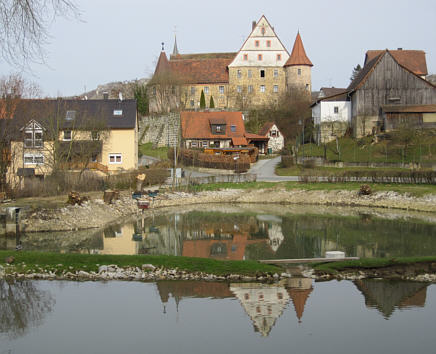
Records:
x=22, y=305
x=386, y=295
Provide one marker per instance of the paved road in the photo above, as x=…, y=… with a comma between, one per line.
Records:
x=265, y=171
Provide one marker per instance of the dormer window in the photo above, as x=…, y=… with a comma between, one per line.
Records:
x=33, y=136
x=118, y=112
x=70, y=116
x=233, y=128
x=218, y=128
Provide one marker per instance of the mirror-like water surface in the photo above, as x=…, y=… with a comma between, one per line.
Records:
x=252, y=232
x=366, y=316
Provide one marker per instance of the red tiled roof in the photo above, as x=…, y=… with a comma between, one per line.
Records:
x=196, y=125
x=251, y=136
x=298, y=55
x=239, y=141
x=201, y=71
x=413, y=60
x=162, y=64
x=203, y=56
x=266, y=127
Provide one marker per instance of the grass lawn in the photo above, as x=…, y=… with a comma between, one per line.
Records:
x=57, y=262
x=147, y=149
x=365, y=150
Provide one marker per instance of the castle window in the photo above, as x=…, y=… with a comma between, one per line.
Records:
x=239, y=74
x=206, y=90
x=299, y=71
x=192, y=103
x=262, y=73
x=249, y=73
x=239, y=89
x=245, y=57
x=262, y=88
x=250, y=88
x=221, y=88
x=268, y=44
x=192, y=90
x=256, y=43
x=307, y=86
x=259, y=57
x=276, y=88
x=263, y=30
x=279, y=57
x=276, y=73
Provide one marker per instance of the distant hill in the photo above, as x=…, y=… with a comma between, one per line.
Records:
x=113, y=90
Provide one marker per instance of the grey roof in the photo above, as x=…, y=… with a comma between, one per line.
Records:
x=89, y=114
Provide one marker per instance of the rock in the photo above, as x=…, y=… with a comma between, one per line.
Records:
x=148, y=267
x=102, y=269
x=10, y=259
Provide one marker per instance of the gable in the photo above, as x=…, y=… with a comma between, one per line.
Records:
x=262, y=40
x=413, y=60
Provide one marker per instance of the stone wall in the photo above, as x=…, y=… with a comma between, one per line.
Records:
x=299, y=76
x=160, y=130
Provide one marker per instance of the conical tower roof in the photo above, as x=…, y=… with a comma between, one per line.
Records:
x=299, y=298
x=298, y=55
x=162, y=64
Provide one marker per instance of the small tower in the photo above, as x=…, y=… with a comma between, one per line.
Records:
x=298, y=68
x=175, y=49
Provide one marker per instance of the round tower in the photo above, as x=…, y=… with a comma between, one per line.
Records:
x=298, y=68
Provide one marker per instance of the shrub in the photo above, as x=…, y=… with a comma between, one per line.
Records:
x=365, y=190
x=287, y=161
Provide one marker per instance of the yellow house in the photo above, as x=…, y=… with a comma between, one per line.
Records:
x=100, y=135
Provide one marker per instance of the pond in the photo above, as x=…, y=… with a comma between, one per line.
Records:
x=239, y=232
x=297, y=315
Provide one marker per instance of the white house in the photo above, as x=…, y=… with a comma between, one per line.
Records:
x=331, y=114
x=276, y=140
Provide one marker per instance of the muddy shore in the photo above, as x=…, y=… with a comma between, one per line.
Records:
x=95, y=213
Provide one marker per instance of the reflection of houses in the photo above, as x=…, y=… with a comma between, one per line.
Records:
x=299, y=290
x=386, y=296
x=119, y=239
x=263, y=303
x=275, y=234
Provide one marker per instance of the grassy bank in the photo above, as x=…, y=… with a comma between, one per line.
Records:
x=29, y=262
x=160, y=152
x=366, y=263
x=412, y=189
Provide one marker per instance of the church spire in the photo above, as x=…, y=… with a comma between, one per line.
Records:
x=175, y=49
x=298, y=55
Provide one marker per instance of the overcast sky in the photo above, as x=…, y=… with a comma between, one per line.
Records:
x=120, y=40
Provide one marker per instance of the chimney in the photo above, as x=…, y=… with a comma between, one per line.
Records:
x=105, y=95
x=253, y=25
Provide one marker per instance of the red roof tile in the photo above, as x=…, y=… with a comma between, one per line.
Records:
x=413, y=60
x=239, y=141
x=201, y=71
x=196, y=125
x=298, y=55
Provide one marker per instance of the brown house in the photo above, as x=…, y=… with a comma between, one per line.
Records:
x=215, y=129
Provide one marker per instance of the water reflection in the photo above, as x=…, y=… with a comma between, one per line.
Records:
x=22, y=306
x=243, y=232
x=386, y=296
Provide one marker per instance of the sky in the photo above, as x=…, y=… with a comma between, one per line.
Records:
x=121, y=40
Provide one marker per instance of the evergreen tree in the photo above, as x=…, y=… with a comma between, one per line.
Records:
x=141, y=96
x=211, y=103
x=202, y=100
x=355, y=72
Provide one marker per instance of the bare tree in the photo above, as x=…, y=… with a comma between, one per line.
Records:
x=25, y=27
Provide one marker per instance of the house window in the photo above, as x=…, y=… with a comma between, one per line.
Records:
x=33, y=159
x=259, y=57
x=239, y=89
x=249, y=73
x=256, y=43
x=94, y=158
x=274, y=133
x=95, y=135
x=118, y=112
x=221, y=88
x=336, y=109
x=192, y=103
x=245, y=57
x=193, y=144
x=268, y=44
x=192, y=90
x=250, y=88
x=276, y=73
x=239, y=74
x=279, y=57
x=262, y=73
x=115, y=158
x=299, y=71
x=67, y=135
x=262, y=88
x=70, y=115
x=276, y=88
x=33, y=135
x=206, y=90
x=205, y=144
x=216, y=143
x=233, y=128
x=218, y=128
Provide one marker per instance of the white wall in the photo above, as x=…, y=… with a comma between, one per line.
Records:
x=324, y=111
